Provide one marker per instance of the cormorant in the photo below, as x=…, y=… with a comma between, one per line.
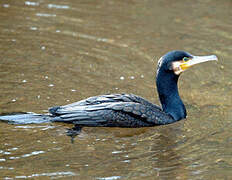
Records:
x=126, y=110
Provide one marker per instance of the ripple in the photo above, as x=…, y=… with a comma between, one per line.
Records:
x=116, y=152
x=6, y=5
x=30, y=3
x=58, y=6
x=109, y=178
x=33, y=153
x=35, y=127
x=53, y=174
x=45, y=15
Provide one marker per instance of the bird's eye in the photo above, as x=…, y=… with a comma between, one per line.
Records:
x=185, y=59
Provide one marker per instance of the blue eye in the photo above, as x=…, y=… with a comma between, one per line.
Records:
x=185, y=59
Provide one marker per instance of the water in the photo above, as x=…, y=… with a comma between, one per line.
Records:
x=58, y=52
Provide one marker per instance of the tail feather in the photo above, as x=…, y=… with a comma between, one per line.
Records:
x=27, y=118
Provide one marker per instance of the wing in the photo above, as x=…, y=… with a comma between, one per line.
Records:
x=111, y=98
x=116, y=114
x=145, y=115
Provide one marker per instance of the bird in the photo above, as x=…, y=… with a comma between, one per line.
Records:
x=126, y=110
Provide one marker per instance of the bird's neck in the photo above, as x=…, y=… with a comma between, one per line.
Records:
x=169, y=96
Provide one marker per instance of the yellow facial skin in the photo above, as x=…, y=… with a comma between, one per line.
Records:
x=184, y=65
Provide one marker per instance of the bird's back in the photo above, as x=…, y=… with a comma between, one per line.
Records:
x=118, y=110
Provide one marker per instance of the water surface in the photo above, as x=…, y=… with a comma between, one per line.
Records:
x=58, y=52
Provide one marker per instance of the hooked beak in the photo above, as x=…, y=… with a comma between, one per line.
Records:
x=180, y=66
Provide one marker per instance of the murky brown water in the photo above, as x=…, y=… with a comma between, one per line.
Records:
x=58, y=52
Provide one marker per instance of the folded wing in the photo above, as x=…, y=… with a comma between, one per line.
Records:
x=117, y=110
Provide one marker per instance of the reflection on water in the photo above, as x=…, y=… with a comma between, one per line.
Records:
x=54, y=53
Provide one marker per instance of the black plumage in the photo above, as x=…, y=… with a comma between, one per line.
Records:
x=114, y=110
x=126, y=110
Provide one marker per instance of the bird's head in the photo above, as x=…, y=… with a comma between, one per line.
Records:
x=179, y=61
x=170, y=66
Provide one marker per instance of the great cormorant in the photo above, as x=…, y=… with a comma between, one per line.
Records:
x=126, y=110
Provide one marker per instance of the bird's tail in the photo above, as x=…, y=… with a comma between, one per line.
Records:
x=26, y=118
